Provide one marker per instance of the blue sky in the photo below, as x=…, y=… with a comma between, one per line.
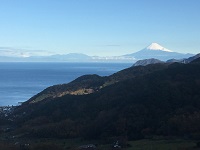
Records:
x=98, y=27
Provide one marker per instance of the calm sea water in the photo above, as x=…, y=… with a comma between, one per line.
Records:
x=21, y=81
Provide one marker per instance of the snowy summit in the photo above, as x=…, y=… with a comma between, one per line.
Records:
x=156, y=46
x=157, y=51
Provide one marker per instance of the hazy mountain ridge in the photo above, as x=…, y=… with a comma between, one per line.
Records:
x=147, y=62
x=71, y=57
x=190, y=59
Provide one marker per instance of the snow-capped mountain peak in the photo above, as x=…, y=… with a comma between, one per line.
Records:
x=156, y=46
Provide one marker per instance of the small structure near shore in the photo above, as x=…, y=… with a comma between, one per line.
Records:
x=87, y=147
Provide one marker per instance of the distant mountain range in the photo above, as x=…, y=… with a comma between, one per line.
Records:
x=152, y=51
x=71, y=57
x=145, y=62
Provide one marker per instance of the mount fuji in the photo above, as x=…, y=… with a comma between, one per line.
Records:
x=157, y=51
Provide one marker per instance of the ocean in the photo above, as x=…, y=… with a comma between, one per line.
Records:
x=21, y=81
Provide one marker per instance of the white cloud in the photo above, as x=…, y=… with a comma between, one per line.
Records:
x=13, y=52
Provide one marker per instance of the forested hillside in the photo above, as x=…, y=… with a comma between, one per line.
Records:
x=142, y=101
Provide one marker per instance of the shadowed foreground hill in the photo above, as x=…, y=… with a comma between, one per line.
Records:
x=137, y=102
